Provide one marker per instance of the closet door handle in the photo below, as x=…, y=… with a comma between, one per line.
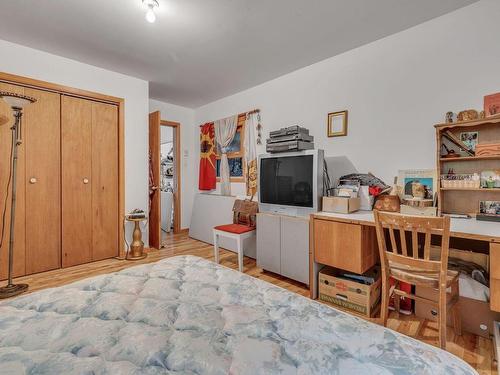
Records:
x=33, y=180
x=85, y=180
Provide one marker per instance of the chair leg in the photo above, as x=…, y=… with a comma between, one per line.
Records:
x=384, y=305
x=397, y=300
x=442, y=317
x=240, y=254
x=216, y=247
x=457, y=319
x=397, y=303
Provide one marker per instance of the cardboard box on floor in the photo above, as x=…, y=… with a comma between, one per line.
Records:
x=351, y=295
x=476, y=315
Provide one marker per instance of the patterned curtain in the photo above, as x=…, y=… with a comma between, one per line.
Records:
x=207, y=177
x=251, y=153
x=225, y=130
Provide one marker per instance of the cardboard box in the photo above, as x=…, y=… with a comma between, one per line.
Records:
x=476, y=316
x=341, y=205
x=351, y=295
x=424, y=211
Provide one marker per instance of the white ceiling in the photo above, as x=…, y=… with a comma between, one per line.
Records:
x=202, y=50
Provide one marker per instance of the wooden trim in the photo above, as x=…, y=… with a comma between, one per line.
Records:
x=94, y=96
x=178, y=178
x=155, y=199
x=312, y=277
x=55, y=87
x=121, y=178
x=488, y=120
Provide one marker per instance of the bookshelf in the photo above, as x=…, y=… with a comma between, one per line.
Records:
x=466, y=200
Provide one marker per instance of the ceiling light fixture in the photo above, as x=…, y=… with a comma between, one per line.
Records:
x=150, y=14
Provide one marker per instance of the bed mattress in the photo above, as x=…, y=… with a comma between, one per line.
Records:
x=187, y=315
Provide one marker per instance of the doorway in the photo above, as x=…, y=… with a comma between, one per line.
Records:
x=164, y=179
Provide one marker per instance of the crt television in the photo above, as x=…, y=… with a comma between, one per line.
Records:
x=291, y=183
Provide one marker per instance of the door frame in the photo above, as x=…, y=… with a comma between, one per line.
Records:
x=155, y=124
x=176, y=127
x=84, y=94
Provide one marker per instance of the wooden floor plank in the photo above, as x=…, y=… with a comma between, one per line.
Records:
x=477, y=351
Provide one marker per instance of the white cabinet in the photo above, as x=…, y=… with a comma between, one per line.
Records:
x=269, y=242
x=283, y=245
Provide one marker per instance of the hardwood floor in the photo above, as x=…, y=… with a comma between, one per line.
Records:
x=477, y=351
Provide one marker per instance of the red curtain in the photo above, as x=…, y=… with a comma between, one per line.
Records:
x=207, y=178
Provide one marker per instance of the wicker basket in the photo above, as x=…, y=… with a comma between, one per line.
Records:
x=460, y=181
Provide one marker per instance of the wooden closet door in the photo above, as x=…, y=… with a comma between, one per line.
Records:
x=76, y=168
x=104, y=181
x=43, y=182
x=19, y=268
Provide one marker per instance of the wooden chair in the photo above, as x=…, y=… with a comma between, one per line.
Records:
x=243, y=227
x=417, y=265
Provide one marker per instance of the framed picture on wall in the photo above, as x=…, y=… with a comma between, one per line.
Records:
x=492, y=104
x=337, y=124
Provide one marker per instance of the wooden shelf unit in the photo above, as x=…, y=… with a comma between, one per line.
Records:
x=466, y=201
x=472, y=189
x=470, y=158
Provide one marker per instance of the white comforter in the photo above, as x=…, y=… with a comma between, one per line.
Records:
x=186, y=315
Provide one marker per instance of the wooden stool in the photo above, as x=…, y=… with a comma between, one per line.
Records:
x=417, y=265
x=237, y=231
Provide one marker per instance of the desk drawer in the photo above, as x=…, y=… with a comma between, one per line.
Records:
x=351, y=247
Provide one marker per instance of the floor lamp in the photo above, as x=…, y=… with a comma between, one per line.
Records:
x=17, y=103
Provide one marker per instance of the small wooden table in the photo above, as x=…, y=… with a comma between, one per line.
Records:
x=136, y=248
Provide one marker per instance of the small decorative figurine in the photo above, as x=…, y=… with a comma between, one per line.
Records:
x=467, y=115
x=449, y=117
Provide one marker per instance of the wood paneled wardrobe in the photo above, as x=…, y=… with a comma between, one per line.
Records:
x=68, y=209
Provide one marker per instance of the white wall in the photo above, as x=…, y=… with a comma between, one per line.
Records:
x=166, y=134
x=24, y=61
x=189, y=147
x=395, y=89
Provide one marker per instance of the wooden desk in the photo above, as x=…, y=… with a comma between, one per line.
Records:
x=358, y=245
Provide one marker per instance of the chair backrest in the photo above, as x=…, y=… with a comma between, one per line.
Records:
x=244, y=212
x=412, y=257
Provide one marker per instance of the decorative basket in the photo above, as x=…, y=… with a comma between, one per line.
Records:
x=460, y=181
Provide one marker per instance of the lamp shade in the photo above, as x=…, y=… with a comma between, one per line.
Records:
x=16, y=100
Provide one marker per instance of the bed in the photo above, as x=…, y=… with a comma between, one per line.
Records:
x=187, y=315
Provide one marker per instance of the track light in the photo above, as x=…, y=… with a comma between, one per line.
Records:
x=151, y=5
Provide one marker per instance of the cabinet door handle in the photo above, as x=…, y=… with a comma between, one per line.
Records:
x=85, y=180
x=33, y=180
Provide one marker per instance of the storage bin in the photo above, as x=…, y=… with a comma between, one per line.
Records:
x=349, y=294
x=460, y=181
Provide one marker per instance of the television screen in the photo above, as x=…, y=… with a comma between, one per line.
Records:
x=287, y=180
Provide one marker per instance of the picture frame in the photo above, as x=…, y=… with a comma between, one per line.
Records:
x=337, y=124
x=427, y=177
x=489, y=208
x=492, y=104
x=470, y=139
